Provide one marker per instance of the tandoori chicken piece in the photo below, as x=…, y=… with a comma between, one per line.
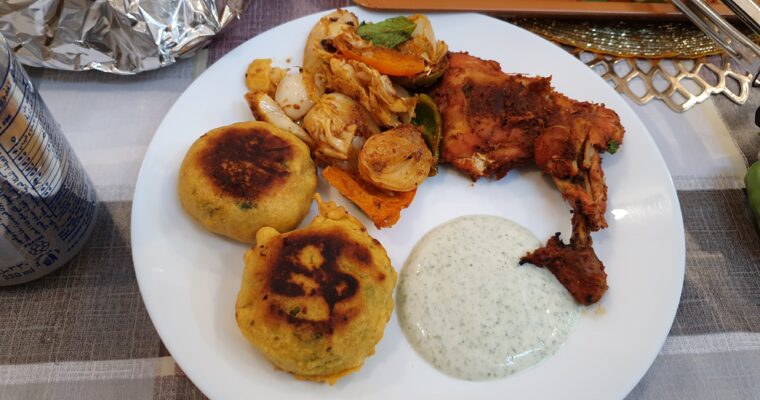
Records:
x=575, y=265
x=568, y=151
x=494, y=122
x=490, y=119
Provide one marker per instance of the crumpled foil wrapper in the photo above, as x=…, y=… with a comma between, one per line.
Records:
x=117, y=36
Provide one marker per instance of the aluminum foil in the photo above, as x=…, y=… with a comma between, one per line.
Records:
x=117, y=36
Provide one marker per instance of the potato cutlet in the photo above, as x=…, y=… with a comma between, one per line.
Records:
x=239, y=178
x=316, y=300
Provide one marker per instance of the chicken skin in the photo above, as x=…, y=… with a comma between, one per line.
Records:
x=490, y=119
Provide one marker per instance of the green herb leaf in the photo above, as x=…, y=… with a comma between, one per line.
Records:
x=295, y=311
x=389, y=33
x=612, y=146
x=429, y=118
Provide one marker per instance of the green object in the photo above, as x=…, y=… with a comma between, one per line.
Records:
x=427, y=116
x=752, y=183
x=388, y=33
x=612, y=146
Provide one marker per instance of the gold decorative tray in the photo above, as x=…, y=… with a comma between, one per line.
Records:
x=550, y=8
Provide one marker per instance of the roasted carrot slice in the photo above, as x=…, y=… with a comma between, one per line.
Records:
x=386, y=61
x=383, y=207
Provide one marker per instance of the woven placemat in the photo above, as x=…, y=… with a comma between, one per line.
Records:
x=627, y=38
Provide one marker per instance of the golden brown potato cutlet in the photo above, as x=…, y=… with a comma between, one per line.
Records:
x=239, y=178
x=316, y=300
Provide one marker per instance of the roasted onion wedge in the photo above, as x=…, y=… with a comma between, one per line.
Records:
x=264, y=108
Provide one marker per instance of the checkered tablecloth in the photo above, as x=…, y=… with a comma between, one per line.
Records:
x=83, y=332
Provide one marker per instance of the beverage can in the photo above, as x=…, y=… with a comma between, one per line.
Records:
x=47, y=202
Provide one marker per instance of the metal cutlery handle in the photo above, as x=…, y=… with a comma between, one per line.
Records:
x=747, y=10
x=738, y=45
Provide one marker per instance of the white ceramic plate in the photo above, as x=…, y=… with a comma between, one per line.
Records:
x=189, y=278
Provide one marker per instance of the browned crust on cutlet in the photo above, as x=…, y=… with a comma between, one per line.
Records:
x=331, y=284
x=245, y=163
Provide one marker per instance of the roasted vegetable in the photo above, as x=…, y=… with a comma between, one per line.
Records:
x=397, y=159
x=403, y=48
x=319, y=51
x=388, y=33
x=262, y=77
x=422, y=41
x=372, y=90
x=752, y=183
x=426, y=78
x=334, y=122
x=424, y=44
x=381, y=206
x=264, y=108
x=293, y=96
x=427, y=117
x=385, y=60
x=324, y=70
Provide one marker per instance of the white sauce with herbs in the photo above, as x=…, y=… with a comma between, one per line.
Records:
x=470, y=310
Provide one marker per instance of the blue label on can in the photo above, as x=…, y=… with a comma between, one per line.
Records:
x=47, y=202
